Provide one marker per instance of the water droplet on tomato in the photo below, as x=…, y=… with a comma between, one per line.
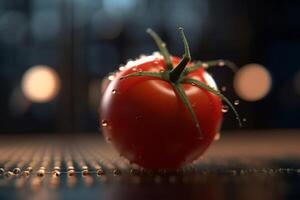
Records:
x=236, y=102
x=156, y=54
x=204, y=65
x=114, y=91
x=225, y=108
x=156, y=62
x=221, y=63
x=111, y=77
x=104, y=123
x=134, y=69
x=223, y=88
x=121, y=68
x=217, y=136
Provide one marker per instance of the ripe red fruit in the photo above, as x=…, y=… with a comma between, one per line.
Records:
x=161, y=112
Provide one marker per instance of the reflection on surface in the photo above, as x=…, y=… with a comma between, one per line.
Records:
x=233, y=184
x=236, y=167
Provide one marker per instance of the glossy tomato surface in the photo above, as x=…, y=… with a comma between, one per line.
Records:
x=146, y=121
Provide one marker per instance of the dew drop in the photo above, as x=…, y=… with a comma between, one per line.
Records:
x=156, y=54
x=129, y=62
x=114, y=91
x=156, y=62
x=111, y=77
x=204, y=65
x=217, y=136
x=221, y=63
x=121, y=68
x=163, y=44
x=236, y=102
x=104, y=123
x=225, y=108
x=223, y=88
x=134, y=69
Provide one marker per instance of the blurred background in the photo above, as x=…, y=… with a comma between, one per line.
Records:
x=53, y=54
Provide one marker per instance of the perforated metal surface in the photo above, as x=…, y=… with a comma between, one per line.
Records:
x=85, y=166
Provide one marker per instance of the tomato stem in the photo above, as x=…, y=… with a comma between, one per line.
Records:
x=177, y=71
x=162, y=48
x=150, y=74
x=193, y=67
x=220, y=63
x=216, y=92
x=180, y=92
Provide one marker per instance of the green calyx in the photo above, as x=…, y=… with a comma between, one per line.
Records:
x=176, y=76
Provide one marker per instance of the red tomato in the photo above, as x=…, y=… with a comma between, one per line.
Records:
x=147, y=123
x=145, y=119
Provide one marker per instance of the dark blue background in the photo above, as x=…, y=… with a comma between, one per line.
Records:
x=86, y=39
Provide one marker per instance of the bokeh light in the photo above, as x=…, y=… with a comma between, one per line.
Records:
x=40, y=84
x=252, y=82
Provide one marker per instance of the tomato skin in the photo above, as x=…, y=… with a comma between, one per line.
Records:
x=146, y=121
